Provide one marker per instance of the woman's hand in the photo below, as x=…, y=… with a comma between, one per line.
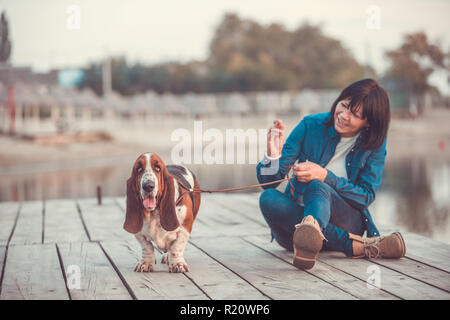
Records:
x=275, y=139
x=307, y=171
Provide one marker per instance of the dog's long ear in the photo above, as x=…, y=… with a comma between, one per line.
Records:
x=133, y=220
x=168, y=215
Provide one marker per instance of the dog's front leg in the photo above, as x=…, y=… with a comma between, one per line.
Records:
x=175, y=257
x=148, y=255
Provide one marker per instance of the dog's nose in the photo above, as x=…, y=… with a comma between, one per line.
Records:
x=148, y=186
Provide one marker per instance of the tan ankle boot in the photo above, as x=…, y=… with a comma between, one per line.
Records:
x=392, y=246
x=308, y=240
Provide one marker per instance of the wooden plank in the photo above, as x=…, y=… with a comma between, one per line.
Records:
x=98, y=279
x=419, y=271
x=121, y=202
x=246, y=205
x=105, y=222
x=157, y=285
x=33, y=272
x=342, y=280
x=423, y=249
x=2, y=264
x=228, y=222
x=8, y=214
x=29, y=225
x=218, y=282
x=204, y=229
x=2, y=257
x=62, y=222
x=272, y=276
x=251, y=199
x=391, y=281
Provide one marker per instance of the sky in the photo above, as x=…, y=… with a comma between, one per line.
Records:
x=46, y=34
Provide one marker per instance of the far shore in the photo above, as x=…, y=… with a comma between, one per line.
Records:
x=428, y=135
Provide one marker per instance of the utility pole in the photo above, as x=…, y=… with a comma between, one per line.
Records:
x=12, y=110
x=106, y=76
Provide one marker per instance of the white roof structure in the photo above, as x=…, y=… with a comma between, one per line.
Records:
x=270, y=101
x=306, y=100
x=115, y=102
x=28, y=94
x=235, y=103
x=199, y=104
x=170, y=104
x=87, y=98
x=326, y=99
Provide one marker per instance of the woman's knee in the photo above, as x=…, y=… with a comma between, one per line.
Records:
x=316, y=185
x=268, y=199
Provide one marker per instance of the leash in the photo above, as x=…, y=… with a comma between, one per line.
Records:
x=192, y=190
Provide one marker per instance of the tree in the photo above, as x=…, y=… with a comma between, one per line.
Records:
x=244, y=56
x=413, y=63
x=5, y=43
x=273, y=58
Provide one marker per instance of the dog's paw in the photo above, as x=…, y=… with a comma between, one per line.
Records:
x=165, y=259
x=178, y=266
x=144, y=266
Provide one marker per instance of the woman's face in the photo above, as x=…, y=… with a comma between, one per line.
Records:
x=346, y=123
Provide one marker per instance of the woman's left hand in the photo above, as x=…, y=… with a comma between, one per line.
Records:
x=307, y=171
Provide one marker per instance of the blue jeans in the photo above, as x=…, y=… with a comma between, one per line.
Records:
x=335, y=216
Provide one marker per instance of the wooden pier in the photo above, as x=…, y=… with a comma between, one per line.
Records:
x=76, y=249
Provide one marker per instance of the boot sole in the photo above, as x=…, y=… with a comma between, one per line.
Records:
x=307, y=245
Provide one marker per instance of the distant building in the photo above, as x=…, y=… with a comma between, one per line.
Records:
x=10, y=75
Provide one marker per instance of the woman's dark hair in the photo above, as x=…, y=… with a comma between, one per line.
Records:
x=375, y=108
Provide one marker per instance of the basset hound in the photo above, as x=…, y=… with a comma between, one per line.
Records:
x=161, y=209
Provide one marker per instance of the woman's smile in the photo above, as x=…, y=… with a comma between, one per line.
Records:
x=347, y=123
x=341, y=123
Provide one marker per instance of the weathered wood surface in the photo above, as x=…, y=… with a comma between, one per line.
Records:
x=344, y=281
x=62, y=222
x=159, y=284
x=99, y=280
x=33, y=272
x=29, y=228
x=43, y=244
x=8, y=214
x=276, y=279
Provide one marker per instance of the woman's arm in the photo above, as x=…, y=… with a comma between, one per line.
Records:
x=361, y=194
x=270, y=169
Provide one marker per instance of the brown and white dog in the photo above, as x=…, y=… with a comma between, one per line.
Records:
x=154, y=214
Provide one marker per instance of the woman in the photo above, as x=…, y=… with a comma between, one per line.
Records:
x=340, y=157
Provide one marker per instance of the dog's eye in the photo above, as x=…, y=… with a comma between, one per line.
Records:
x=157, y=168
x=139, y=169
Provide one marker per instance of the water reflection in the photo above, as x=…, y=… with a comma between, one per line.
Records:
x=414, y=195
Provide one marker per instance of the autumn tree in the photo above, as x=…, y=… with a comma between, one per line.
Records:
x=271, y=57
x=413, y=63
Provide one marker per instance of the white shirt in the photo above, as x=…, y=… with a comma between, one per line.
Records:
x=337, y=162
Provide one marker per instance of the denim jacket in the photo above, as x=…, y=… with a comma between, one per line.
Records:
x=313, y=141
